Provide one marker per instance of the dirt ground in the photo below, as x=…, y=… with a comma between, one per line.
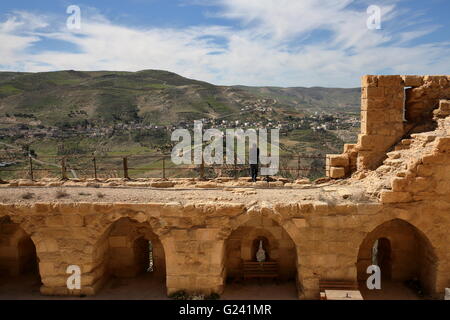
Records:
x=142, y=195
x=146, y=287
x=390, y=290
x=260, y=291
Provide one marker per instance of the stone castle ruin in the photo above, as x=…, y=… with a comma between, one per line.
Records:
x=389, y=191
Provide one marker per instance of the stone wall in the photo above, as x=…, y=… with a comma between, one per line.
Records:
x=427, y=177
x=327, y=239
x=392, y=107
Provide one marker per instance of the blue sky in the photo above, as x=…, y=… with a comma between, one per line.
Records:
x=250, y=42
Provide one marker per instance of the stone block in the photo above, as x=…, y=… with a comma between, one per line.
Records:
x=54, y=221
x=399, y=184
x=390, y=81
x=302, y=181
x=276, y=184
x=444, y=105
x=337, y=172
x=412, y=81
x=46, y=269
x=337, y=160
x=162, y=184
x=432, y=159
x=372, y=104
x=348, y=147
x=372, y=93
x=207, y=234
x=299, y=223
x=47, y=245
x=395, y=197
x=420, y=184
x=118, y=241
x=369, y=81
x=179, y=234
x=395, y=115
x=443, y=144
x=371, y=142
x=364, y=128
x=375, y=115
x=73, y=220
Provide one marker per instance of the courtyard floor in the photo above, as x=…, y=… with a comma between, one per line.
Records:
x=146, y=287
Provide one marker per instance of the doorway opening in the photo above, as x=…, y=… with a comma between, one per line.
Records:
x=19, y=263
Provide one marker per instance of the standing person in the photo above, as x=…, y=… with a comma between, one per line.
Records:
x=254, y=165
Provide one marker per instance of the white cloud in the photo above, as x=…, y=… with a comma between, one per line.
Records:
x=264, y=50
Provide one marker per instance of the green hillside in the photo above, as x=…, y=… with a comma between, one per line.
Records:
x=150, y=96
x=110, y=114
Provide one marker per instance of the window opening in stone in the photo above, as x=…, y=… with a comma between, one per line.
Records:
x=381, y=256
x=150, y=257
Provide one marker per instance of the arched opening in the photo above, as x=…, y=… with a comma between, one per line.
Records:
x=382, y=257
x=19, y=264
x=252, y=275
x=406, y=259
x=135, y=262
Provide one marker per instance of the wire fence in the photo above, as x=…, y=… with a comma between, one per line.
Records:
x=146, y=166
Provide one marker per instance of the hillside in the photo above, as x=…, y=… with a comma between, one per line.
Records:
x=151, y=96
x=77, y=114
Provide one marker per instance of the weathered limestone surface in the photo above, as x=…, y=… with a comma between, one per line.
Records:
x=392, y=106
x=323, y=240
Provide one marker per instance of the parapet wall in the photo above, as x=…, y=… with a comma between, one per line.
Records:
x=392, y=107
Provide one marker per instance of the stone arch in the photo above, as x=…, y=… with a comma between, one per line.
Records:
x=413, y=255
x=120, y=249
x=17, y=249
x=18, y=254
x=287, y=225
x=282, y=246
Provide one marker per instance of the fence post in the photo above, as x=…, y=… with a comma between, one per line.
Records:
x=125, y=168
x=202, y=170
x=298, y=167
x=63, y=169
x=164, y=168
x=31, y=168
x=95, y=168
x=235, y=167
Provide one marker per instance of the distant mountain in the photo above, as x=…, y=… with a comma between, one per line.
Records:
x=153, y=96
x=312, y=99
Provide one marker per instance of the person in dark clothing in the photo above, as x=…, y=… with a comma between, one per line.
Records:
x=254, y=166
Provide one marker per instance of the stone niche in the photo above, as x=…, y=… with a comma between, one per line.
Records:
x=243, y=243
x=410, y=254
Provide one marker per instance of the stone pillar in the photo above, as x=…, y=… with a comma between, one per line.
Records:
x=65, y=241
x=54, y=258
x=195, y=262
x=382, y=115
